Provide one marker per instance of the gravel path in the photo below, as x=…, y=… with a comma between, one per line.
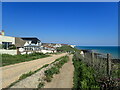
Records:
x=12, y=72
x=65, y=78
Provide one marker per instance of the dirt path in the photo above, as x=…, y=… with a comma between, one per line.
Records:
x=12, y=72
x=65, y=78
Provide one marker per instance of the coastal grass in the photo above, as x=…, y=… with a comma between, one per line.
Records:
x=41, y=84
x=55, y=69
x=23, y=76
x=83, y=75
x=94, y=75
x=67, y=48
x=13, y=59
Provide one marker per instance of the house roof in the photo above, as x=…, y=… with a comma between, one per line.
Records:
x=48, y=46
x=33, y=39
x=30, y=38
x=19, y=42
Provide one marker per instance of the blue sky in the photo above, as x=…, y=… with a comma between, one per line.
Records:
x=63, y=22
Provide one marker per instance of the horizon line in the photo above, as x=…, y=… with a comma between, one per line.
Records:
x=59, y=0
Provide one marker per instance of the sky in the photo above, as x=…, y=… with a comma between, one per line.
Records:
x=79, y=23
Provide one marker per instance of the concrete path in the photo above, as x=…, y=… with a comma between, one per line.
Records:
x=12, y=73
x=65, y=78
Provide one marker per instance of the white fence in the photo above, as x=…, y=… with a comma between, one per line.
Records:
x=11, y=52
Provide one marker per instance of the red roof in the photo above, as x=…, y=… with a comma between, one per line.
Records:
x=48, y=46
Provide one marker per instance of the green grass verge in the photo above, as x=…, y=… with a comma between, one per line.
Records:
x=23, y=76
x=55, y=69
x=13, y=59
x=83, y=75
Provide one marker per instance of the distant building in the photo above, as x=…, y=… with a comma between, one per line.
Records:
x=2, y=33
x=6, y=41
x=22, y=45
x=72, y=46
x=47, y=49
x=57, y=45
x=28, y=44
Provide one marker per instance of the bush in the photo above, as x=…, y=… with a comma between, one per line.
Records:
x=67, y=48
x=55, y=69
x=48, y=78
x=83, y=75
x=25, y=75
x=0, y=46
x=12, y=46
x=40, y=85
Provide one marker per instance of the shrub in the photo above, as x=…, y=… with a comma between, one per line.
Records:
x=48, y=78
x=55, y=69
x=83, y=75
x=12, y=46
x=25, y=75
x=40, y=85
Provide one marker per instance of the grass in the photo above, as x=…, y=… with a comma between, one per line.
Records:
x=13, y=59
x=67, y=48
x=41, y=84
x=55, y=69
x=83, y=75
x=23, y=76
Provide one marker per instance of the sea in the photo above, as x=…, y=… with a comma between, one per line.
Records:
x=113, y=50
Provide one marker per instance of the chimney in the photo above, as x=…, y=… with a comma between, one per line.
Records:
x=3, y=33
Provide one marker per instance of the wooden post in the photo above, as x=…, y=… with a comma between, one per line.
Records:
x=108, y=65
x=93, y=59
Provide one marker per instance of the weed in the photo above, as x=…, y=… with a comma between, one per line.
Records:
x=41, y=85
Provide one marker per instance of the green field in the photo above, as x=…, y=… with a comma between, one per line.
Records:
x=12, y=59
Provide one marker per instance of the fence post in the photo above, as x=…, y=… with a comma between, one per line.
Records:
x=93, y=57
x=108, y=65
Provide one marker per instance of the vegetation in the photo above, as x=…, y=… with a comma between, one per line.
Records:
x=83, y=75
x=40, y=85
x=67, y=48
x=55, y=69
x=0, y=46
x=12, y=59
x=12, y=47
x=89, y=74
x=23, y=76
x=51, y=71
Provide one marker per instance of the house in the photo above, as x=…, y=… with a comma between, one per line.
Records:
x=57, y=45
x=53, y=44
x=6, y=41
x=2, y=33
x=5, y=44
x=21, y=45
x=28, y=44
x=47, y=49
x=73, y=46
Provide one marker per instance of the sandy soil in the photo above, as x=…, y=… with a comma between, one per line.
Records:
x=64, y=79
x=12, y=72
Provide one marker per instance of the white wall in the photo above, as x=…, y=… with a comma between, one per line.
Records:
x=46, y=51
x=7, y=39
x=11, y=52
